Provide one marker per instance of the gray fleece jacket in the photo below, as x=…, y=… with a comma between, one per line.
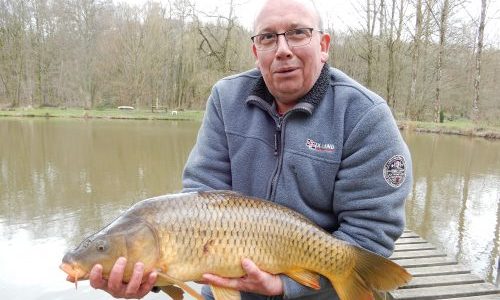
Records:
x=337, y=157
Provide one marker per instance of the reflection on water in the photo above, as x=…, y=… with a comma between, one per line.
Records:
x=455, y=202
x=61, y=180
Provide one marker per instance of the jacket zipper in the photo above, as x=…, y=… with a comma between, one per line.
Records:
x=278, y=143
x=277, y=137
x=278, y=151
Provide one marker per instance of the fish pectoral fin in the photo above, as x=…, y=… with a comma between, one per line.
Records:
x=182, y=285
x=305, y=277
x=221, y=293
x=173, y=291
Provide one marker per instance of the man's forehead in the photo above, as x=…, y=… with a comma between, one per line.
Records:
x=282, y=26
x=284, y=15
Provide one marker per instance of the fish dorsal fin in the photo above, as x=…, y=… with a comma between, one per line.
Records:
x=182, y=285
x=173, y=291
x=305, y=277
x=221, y=293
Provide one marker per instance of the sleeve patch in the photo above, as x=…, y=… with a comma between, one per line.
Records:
x=395, y=171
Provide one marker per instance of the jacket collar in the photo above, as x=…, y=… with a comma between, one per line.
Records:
x=260, y=95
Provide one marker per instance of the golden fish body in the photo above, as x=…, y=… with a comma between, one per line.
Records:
x=186, y=235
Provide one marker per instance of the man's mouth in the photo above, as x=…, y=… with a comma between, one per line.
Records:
x=285, y=70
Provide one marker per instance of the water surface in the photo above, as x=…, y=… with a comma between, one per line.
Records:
x=63, y=179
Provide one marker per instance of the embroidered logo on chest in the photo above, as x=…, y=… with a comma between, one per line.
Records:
x=395, y=171
x=320, y=147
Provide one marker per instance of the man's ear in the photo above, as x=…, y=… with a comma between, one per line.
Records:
x=325, y=47
x=254, y=51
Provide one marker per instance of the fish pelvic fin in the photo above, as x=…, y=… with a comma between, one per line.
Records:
x=174, y=292
x=371, y=272
x=182, y=285
x=221, y=293
x=305, y=277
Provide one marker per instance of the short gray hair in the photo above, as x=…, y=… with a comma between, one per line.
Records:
x=316, y=10
x=320, y=19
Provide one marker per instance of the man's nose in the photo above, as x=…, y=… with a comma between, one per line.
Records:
x=282, y=50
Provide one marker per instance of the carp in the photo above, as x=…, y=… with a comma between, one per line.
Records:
x=183, y=236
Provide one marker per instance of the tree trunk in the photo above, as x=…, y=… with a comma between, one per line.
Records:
x=370, y=36
x=415, y=60
x=477, y=80
x=442, y=43
x=391, y=70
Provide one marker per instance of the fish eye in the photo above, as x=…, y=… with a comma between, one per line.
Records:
x=100, y=245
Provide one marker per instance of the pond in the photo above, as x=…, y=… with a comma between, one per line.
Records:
x=63, y=179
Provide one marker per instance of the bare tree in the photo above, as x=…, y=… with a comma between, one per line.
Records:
x=445, y=11
x=94, y=53
x=415, y=58
x=479, y=51
x=371, y=19
x=393, y=46
x=448, y=8
x=217, y=45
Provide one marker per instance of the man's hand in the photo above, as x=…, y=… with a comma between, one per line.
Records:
x=256, y=281
x=134, y=289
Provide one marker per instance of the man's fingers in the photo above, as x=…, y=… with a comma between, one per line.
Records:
x=251, y=268
x=136, y=279
x=148, y=284
x=116, y=275
x=221, y=281
x=95, y=277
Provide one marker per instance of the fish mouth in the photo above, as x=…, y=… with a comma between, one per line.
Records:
x=74, y=271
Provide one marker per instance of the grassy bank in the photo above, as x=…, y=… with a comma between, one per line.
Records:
x=458, y=127
x=135, y=114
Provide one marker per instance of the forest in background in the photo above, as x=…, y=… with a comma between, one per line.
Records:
x=423, y=56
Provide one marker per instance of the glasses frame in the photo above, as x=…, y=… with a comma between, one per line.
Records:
x=284, y=34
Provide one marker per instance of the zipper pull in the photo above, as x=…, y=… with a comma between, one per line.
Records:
x=277, y=136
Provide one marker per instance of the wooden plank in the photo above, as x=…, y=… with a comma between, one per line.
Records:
x=410, y=240
x=483, y=297
x=438, y=270
x=443, y=292
x=416, y=254
x=426, y=262
x=409, y=234
x=409, y=247
x=454, y=279
x=436, y=275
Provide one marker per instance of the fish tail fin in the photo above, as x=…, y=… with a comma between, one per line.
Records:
x=370, y=272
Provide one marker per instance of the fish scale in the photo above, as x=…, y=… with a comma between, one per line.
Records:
x=186, y=235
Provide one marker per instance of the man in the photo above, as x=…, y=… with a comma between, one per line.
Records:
x=304, y=135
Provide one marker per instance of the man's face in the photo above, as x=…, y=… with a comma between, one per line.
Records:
x=290, y=72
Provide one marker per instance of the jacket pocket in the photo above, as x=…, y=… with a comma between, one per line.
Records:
x=312, y=177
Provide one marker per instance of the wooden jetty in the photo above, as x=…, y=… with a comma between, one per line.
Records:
x=435, y=274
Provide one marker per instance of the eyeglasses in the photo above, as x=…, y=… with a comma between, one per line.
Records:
x=295, y=38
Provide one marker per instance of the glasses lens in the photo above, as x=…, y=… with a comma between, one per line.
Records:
x=295, y=38
x=265, y=41
x=298, y=37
